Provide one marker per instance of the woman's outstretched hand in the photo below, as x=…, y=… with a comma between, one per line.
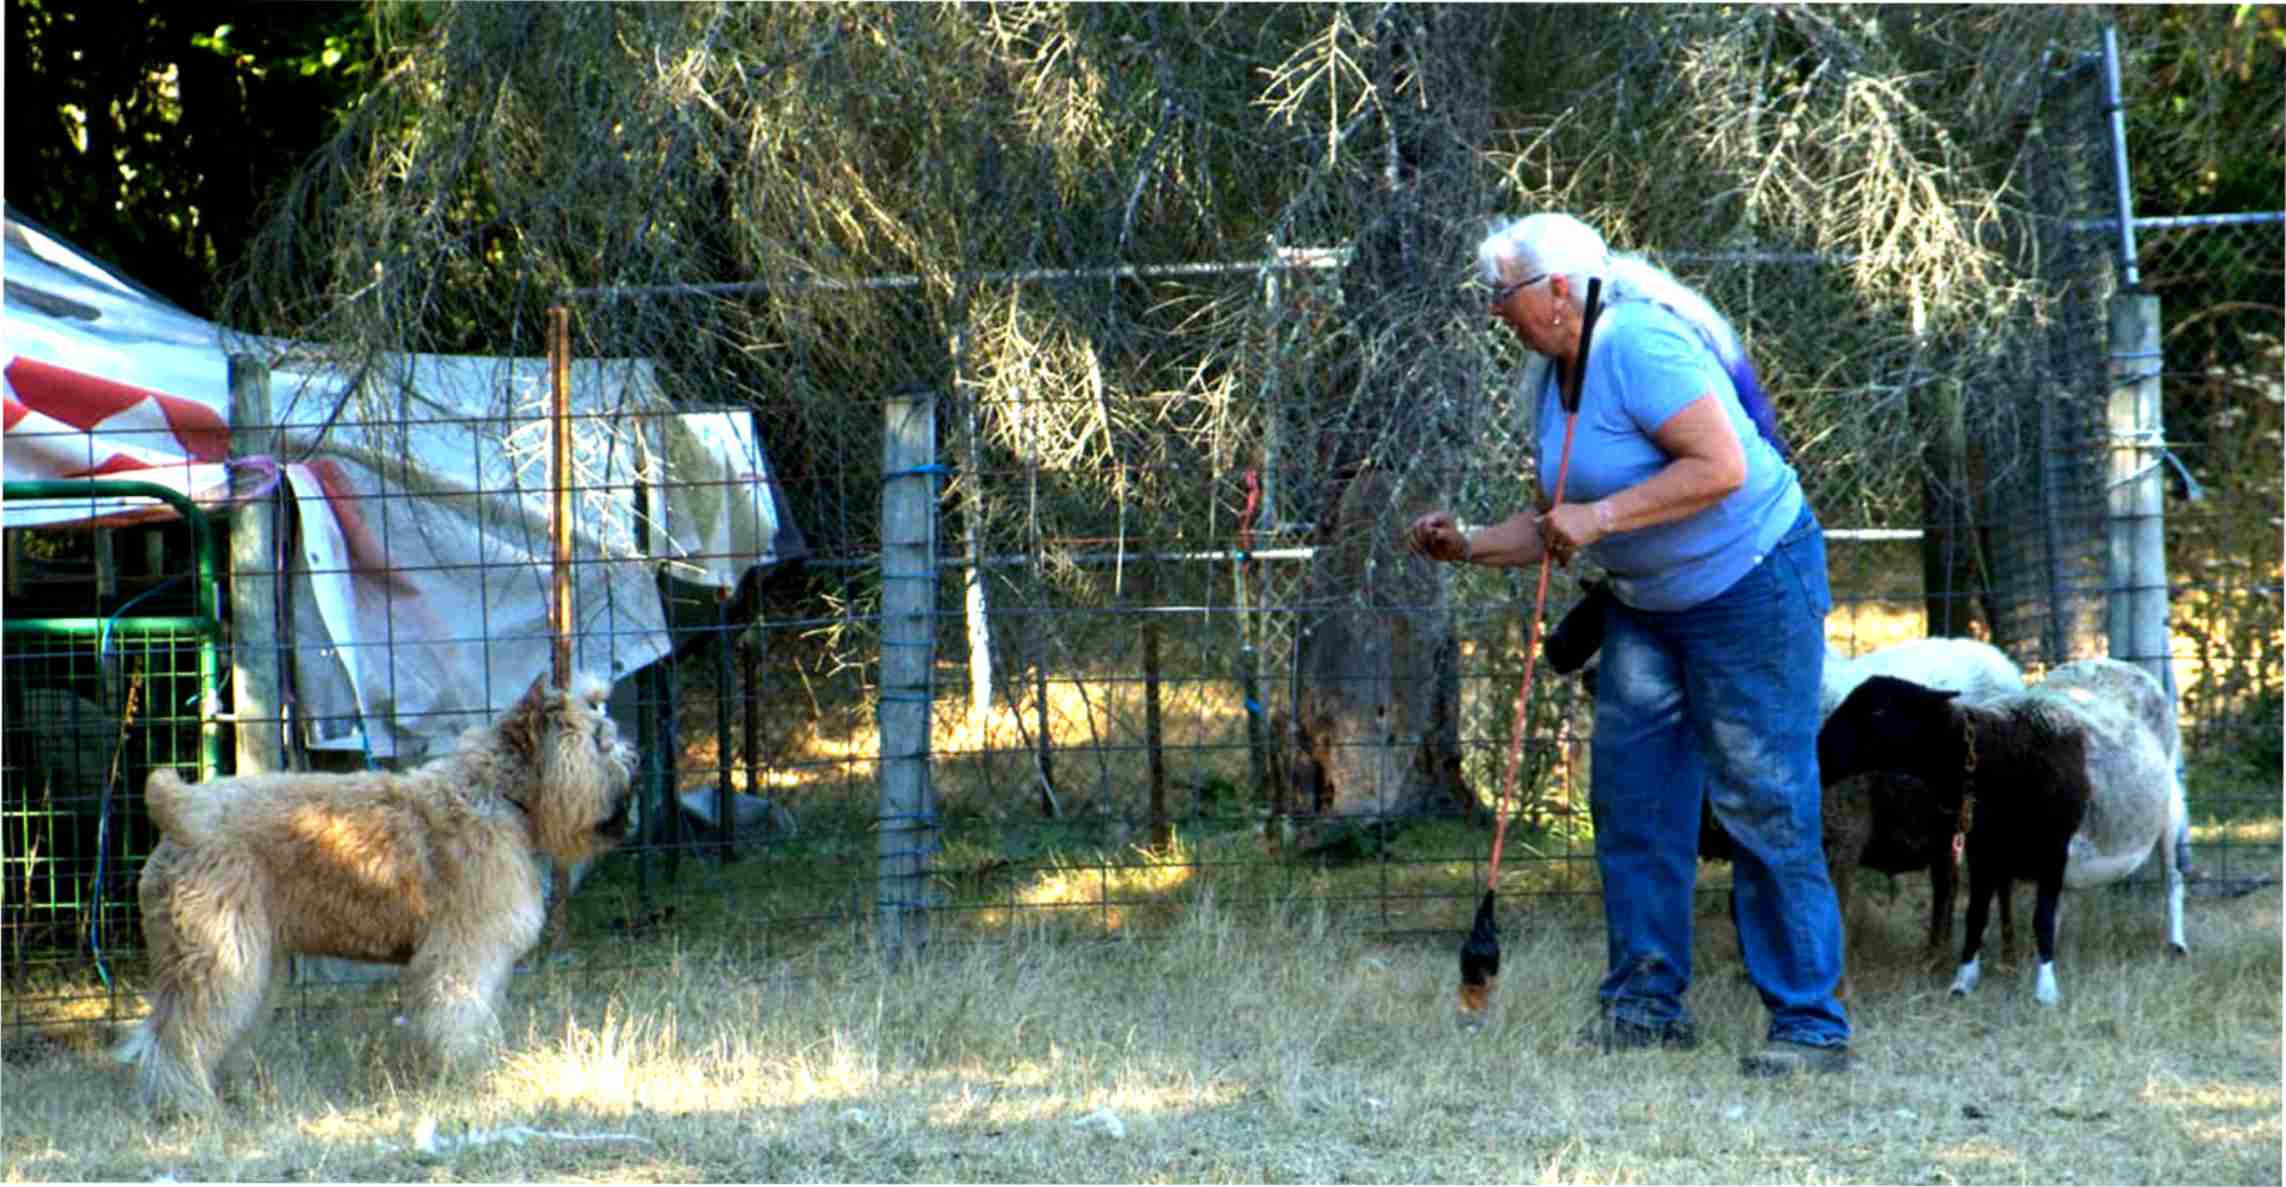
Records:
x=1438, y=536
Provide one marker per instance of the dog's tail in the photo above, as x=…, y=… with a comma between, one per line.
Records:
x=177, y=809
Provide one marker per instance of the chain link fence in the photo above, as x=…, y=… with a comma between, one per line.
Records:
x=2217, y=282
x=1118, y=711
x=1124, y=646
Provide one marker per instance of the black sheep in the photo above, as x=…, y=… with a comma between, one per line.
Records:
x=2024, y=763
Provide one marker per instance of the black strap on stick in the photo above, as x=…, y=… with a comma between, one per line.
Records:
x=1570, y=392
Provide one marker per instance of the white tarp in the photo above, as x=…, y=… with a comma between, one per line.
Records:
x=420, y=578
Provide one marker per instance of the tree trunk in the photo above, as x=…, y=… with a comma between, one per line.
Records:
x=1378, y=703
x=1376, y=726
x=1955, y=583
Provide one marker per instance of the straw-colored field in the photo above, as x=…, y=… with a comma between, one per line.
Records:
x=1089, y=1011
x=1267, y=1044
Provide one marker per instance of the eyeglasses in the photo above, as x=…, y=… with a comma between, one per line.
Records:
x=1500, y=295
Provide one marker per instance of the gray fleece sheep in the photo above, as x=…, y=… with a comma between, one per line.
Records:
x=2134, y=687
x=2121, y=828
x=2072, y=788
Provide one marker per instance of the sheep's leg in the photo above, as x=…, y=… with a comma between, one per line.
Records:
x=2044, y=911
x=2174, y=852
x=1981, y=888
x=1941, y=903
x=2182, y=830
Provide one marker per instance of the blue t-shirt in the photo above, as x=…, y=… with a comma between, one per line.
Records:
x=1645, y=365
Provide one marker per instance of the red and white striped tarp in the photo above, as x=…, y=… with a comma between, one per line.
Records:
x=419, y=577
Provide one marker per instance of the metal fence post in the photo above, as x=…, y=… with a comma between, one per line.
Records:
x=725, y=810
x=2136, y=623
x=1154, y=728
x=908, y=821
x=2135, y=610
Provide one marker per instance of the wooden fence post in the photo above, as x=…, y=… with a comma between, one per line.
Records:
x=254, y=657
x=908, y=821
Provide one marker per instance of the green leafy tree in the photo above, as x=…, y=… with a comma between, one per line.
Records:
x=151, y=131
x=943, y=194
x=2206, y=106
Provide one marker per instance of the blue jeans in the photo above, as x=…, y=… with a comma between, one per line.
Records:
x=1720, y=701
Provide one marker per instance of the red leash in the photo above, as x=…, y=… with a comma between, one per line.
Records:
x=1524, y=689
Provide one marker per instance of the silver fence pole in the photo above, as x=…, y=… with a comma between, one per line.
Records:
x=2135, y=613
x=2123, y=198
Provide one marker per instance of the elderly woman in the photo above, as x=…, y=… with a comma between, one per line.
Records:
x=1713, y=644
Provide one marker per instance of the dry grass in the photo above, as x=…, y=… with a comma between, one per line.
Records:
x=1243, y=1019
x=1230, y=1048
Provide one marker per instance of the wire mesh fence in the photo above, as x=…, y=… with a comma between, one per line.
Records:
x=1141, y=620
x=2217, y=280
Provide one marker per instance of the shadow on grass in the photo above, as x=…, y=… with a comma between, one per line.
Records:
x=1084, y=877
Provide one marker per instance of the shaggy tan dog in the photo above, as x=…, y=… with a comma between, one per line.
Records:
x=431, y=869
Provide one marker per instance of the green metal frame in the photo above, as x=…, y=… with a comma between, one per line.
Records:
x=205, y=621
x=162, y=640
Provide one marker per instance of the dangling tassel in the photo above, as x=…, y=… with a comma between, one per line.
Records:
x=1480, y=961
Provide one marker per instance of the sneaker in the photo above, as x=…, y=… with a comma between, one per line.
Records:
x=1784, y=1057
x=1607, y=1035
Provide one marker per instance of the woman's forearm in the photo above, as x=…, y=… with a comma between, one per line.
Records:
x=1512, y=542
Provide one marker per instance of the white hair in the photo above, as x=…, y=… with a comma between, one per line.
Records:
x=1561, y=245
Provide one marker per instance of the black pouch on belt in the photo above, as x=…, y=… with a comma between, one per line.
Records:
x=1580, y=635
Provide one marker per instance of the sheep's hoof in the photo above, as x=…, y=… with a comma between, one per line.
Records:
x=2044, y=985
x=1959, y=992
x=2178, y=950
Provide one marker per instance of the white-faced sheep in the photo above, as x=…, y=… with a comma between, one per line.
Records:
x=1979, y=671
x=2042, y=766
